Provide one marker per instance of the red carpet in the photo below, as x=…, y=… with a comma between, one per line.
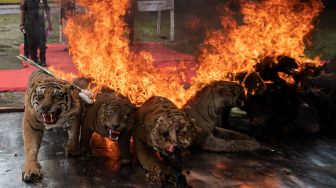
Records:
x=16, y=80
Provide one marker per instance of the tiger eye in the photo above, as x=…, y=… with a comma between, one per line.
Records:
x=58, y=97
x=40, y=97
x=182, y=133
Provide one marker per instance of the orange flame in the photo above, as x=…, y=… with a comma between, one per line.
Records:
x=270, y=28
x=100, y=47
x=61, y=74
x=100, y=50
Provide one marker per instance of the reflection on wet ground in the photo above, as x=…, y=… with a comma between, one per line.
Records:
x=301, y=162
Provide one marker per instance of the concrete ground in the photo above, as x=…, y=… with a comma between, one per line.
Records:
x=300, y=162
x=11, y=102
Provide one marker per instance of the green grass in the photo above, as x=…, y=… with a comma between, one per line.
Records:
x=324, y=44
x=324, y=36
x=10, y=1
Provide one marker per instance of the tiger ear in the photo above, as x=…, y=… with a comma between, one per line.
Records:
x=186, y=110
x=70, y=86
x=220, y=90
x=70, y=90
x=34, y=84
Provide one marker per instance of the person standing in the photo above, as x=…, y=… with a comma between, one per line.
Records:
x=33, y=24
x=25, y=44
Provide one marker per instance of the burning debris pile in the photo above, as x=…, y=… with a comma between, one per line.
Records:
x=283, y=99
x=268, y=29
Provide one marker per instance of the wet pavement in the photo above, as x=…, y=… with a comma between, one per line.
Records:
x=301, y=162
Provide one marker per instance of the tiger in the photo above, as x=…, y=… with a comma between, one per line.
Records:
x=112, y=116
x=205, y=109
x=160, y=127
x=49, y=103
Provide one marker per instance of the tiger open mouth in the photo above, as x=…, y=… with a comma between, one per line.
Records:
x=169, y=151
x=50, y=118
x=113, y=135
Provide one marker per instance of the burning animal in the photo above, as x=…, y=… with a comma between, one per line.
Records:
x=206, y=109
x=282, y=105
x=112, y=116
x=161, y=127
x=49, y=103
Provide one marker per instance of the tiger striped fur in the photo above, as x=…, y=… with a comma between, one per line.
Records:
x=206, y=109
x=160, y=127
x=49, y=103
x=112, y=116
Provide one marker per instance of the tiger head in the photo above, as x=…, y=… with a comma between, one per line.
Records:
x=116, y=116
x=170, y=132
x=227, y=94
x=54, y=102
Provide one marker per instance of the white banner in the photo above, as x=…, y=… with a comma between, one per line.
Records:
x=156, y=5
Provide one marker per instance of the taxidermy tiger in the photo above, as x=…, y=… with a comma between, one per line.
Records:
x=160, y=127
x=206, y=109
x=49, y=103
x=112, y=116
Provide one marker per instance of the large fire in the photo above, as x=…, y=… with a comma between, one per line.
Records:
x=100, y=47
x=270, y=28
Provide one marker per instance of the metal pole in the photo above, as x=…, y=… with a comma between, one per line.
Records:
x=60, y=29
x=158, y=24
x=24, y=58
x=172, y=24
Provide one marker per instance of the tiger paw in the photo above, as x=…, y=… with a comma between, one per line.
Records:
x=181, y=182
x=31, y=172
x=71, y=150
x=125, y=158
x=251, y=145
x=155, y=177
x=163, y=177
x=125, y=161
x=85, y=152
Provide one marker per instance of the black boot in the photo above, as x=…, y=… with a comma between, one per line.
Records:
x=43, y=64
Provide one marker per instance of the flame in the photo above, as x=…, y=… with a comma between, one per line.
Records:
x=61, y=74
x=100, y=48
x=270, y=28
